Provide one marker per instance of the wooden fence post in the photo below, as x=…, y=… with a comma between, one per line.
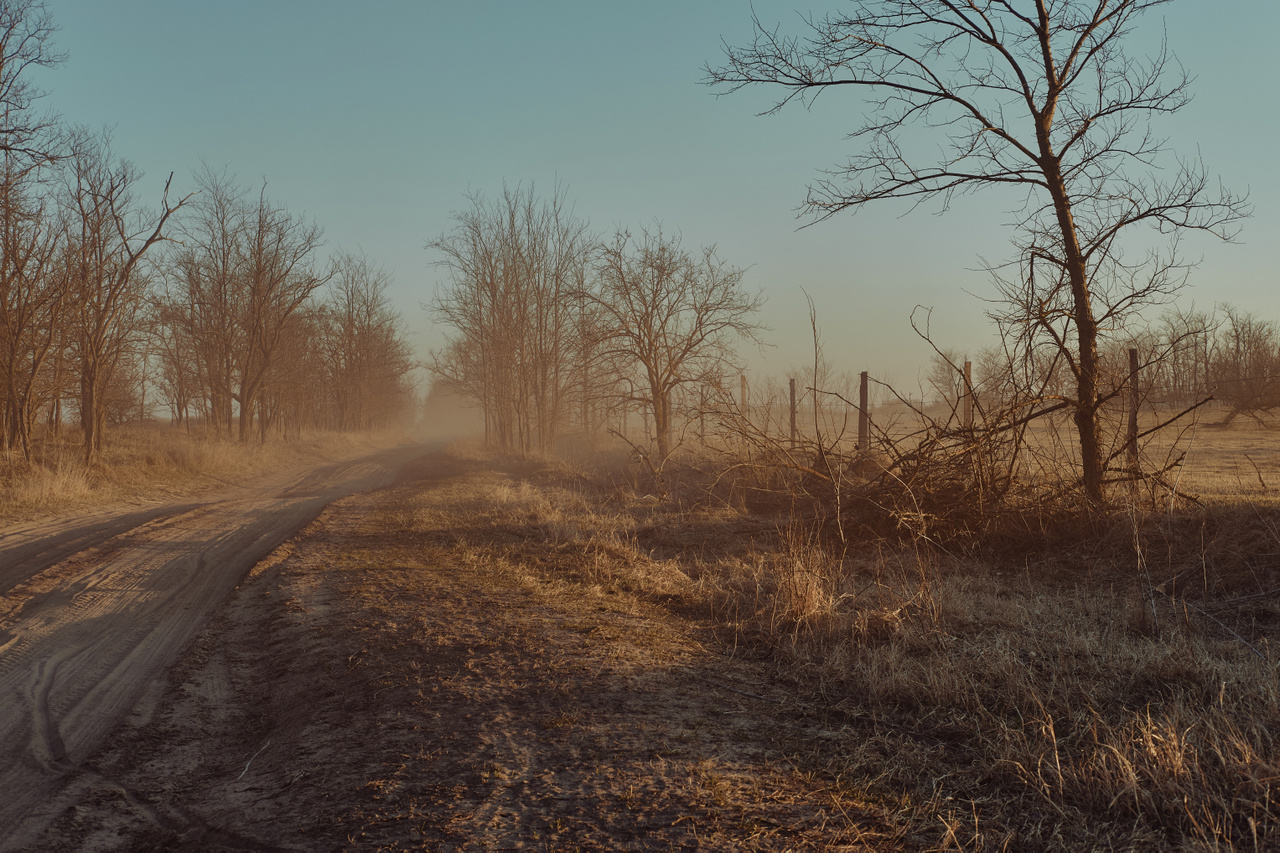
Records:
x=1133, y=410
x=702, y=413
x=864, y=419
x=742, y=403
x=793, y=413
x=968, y=395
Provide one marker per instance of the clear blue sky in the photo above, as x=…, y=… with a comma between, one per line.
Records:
x=376, y=118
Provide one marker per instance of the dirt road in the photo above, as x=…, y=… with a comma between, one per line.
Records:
x=92, y=609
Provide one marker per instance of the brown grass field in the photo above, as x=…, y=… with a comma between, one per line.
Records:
x=1114, y=692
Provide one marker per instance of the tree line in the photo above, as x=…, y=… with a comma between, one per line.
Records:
x=1226, y=354
x=218, y=302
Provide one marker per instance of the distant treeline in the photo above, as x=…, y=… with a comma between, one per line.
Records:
x=1185, y=356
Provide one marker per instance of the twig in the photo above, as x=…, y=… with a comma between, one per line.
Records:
x=724, y=686
x=1162, y=425
x=1224, y=627
x=1257, y=471
x=250, y=761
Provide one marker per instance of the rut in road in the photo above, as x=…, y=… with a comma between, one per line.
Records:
x=81, y=640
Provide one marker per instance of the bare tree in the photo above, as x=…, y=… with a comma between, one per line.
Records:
x=176, y=350
x=945, y=378
x=670, y=319
x=32, y=293
x=296, y=394
x=205, y=300
x=1041, y=97
x=366, y=356
x=1246, y=368
x=27, y=139
x=280, y=275
x=109, y=236
x=513, y=265
x=1187, y=334
x=245, y=267
x=33, y=302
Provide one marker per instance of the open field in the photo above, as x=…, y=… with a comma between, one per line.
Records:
x=503, y=654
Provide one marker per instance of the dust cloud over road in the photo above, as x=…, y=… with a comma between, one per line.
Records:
x=93, y=608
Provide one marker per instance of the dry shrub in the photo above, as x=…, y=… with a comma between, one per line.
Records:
x=938, y=482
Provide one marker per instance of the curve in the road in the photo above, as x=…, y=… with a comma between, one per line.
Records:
x=92, y=624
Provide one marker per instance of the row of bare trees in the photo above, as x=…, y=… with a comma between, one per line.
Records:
x=217, y=299
x=219, y=302
x=518, y=345
x=548, y=324
x=1227, y=355
x=254, y=329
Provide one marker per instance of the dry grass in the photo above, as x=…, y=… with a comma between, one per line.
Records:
x=152, y=462
x=1116, y=691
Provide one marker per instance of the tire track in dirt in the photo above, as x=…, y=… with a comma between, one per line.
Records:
x=83, y=639
x=28, y=549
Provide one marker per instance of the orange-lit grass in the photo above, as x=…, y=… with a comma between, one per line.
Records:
x=143, y=463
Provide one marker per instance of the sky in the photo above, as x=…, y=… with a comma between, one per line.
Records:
x=378, y=118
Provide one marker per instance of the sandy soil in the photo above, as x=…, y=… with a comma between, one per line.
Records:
x=369, y=689
x=96, y=608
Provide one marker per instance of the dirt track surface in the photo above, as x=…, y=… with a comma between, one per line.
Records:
x=95, y=608
x=375, y=684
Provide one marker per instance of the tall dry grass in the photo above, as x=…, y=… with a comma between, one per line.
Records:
x=144, y=463
x=1114, y=692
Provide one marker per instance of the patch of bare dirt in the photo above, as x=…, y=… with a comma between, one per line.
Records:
x=370, y=690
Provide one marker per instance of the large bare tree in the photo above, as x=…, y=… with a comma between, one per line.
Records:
x=1041, y=96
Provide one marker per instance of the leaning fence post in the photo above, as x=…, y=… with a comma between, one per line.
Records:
x=1132, y=441
x=864, y=420
x=793, y=413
